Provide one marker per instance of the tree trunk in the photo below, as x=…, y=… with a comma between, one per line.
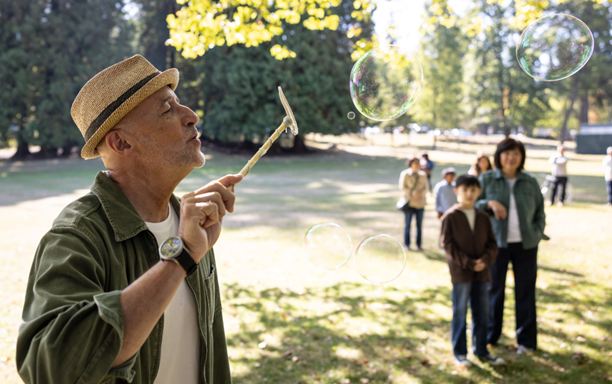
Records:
x=66, y=150
x=298, y=145
x=584, y=108
x=23, y=150
x=46, y=152
x=568, y=113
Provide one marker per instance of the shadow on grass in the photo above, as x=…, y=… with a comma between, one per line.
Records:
x=353, y=333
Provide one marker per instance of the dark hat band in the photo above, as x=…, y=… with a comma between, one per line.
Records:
x=112, y=107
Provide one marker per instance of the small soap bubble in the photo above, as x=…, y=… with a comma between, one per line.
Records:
x=351, y=115
x=380, y=259
x=328, y=246
x=385, y=83
x=554, y=47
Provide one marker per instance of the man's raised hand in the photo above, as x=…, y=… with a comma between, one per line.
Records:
x=202, y=213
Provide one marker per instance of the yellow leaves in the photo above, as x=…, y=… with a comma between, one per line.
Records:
x=440, y=13
x=281, y=52
x=353, y=32
x=528, y=11
x=202, y=24
x=363, y=10
x=362, y=46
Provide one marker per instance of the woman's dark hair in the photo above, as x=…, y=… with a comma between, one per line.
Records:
x=425, y=155
x=467, y=181
x=476, y=165
x=509, y=144
x=411, y=160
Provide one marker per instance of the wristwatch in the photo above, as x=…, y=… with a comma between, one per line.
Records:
x=174, y=249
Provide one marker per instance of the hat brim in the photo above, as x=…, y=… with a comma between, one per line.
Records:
x=169, y=78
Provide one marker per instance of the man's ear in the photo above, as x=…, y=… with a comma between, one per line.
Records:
x=119, y=142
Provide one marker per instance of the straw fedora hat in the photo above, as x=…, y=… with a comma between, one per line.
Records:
x=111, y=94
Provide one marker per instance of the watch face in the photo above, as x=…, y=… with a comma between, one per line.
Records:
x=171, y=247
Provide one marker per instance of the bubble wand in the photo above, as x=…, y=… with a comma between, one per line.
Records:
x=288, y=122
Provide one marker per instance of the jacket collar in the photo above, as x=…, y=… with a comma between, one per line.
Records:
x=499, y=175
x=123, y=217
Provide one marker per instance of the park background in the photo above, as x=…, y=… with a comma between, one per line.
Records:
x=314, y=326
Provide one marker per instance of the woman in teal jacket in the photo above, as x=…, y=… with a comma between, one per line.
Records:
x=516, y=206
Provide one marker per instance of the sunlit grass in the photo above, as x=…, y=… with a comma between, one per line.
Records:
x=336, y=327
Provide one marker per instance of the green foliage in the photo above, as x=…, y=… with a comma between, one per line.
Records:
x=48, y=50
x=442, y=50
x=240, y=84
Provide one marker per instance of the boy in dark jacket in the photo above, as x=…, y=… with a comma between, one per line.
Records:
x=470, y=245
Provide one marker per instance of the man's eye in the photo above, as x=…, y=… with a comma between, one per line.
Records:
x=167, y=111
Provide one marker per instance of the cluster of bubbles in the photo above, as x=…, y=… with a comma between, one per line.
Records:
x=385, y=82
x=379, y=259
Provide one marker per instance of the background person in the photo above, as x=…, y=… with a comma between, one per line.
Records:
x=101, y=305
x=514, y=200
x=482, y=165
x=471, y=248
x=607, y=165
x=559, y=172
x=444, y=192
x=413, y=183
x=427, y=166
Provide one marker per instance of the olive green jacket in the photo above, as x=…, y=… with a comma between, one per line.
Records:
x=529, y=206
x=73, y=327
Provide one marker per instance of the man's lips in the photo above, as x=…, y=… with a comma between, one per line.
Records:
x=195, y=136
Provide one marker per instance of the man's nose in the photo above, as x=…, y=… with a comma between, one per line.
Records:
x=190, y=118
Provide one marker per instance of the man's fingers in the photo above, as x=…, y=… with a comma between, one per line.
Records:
x=215, y=197
x=228, y=180
x=221, y=186
x=208, y=213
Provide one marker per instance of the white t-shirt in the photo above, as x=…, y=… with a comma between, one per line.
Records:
x=514, y=229
x=180, y=350
x=607, y=164
x=471, y=217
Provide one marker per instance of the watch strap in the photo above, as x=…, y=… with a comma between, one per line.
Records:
x=186, y=261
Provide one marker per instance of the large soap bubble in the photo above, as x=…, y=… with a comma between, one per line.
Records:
x=554, y=47
x=328, y=246
x=385, y=83
x=380, y=259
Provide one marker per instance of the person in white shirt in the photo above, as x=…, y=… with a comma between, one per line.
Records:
x=559, y=172
x=607, y=165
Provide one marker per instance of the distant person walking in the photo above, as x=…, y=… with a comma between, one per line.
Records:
x=444, y=192
x=559, y=172
x=413, y=182
x=482, y=165
x=427, y=166
x=514, y=201
x=607, y=165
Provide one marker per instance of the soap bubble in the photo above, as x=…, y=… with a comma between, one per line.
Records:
x=380, y=259
x=351, y=115
x=554, y=47
x=385, y=83
x=328, y=246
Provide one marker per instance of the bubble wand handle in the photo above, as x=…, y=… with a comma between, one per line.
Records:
x=263, y=149
x=288, y=122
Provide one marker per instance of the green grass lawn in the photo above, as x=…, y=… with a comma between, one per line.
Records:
x=288, y=322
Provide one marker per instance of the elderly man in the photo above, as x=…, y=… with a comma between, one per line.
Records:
x=123, y=288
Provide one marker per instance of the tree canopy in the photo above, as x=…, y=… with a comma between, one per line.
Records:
x=228, y=54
